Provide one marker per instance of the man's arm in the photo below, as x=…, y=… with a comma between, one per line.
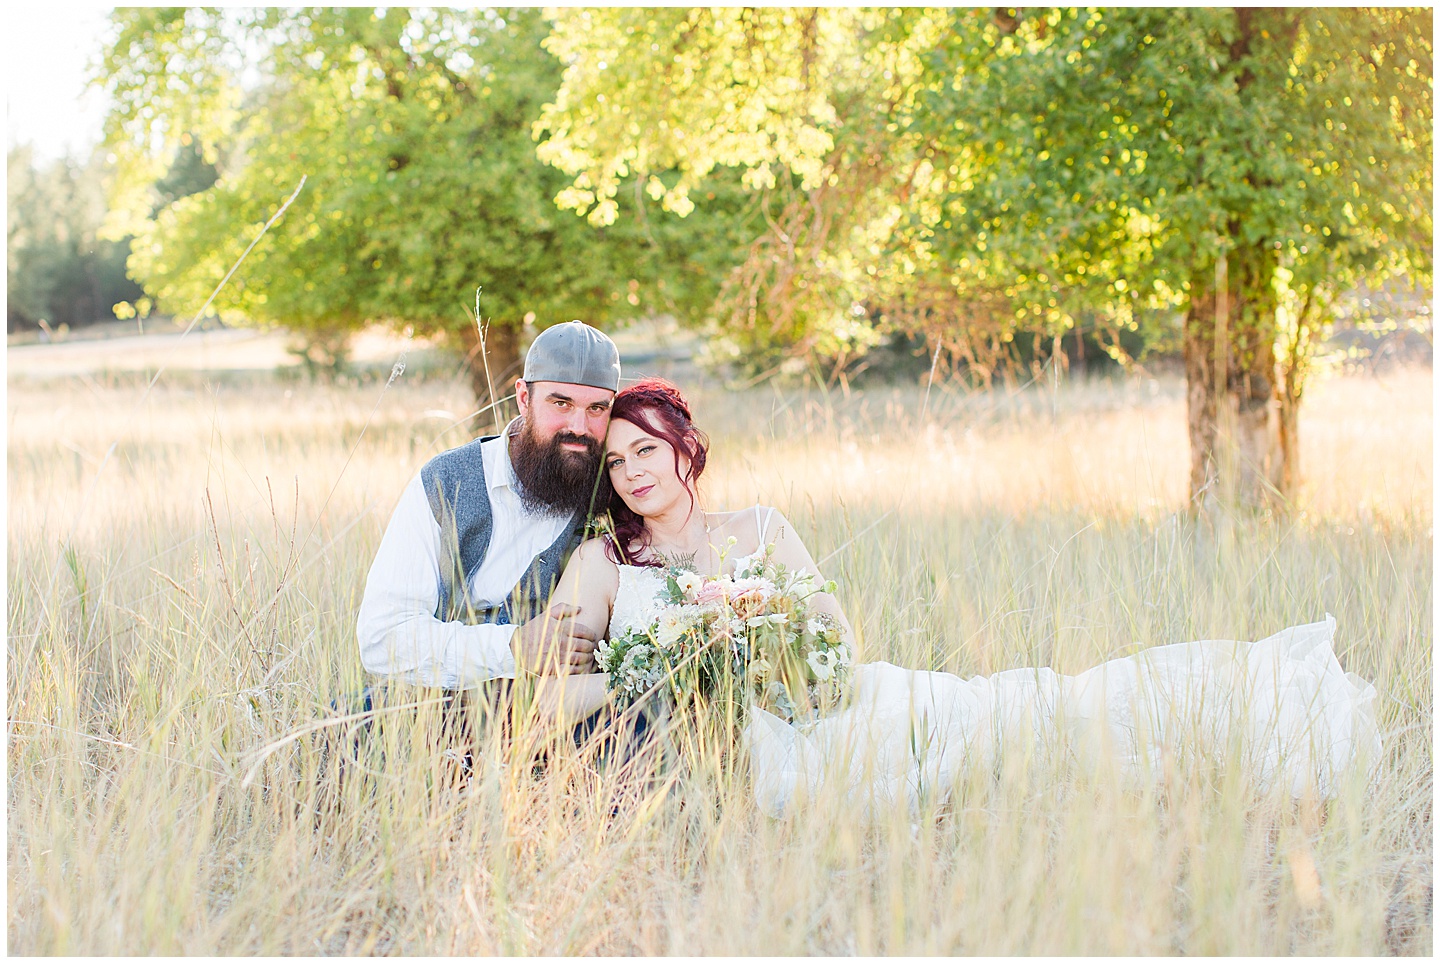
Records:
x=397, y=630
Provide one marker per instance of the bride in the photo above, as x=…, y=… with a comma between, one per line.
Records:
x=1282, y=707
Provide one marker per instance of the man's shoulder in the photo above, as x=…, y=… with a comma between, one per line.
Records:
x=470, y=449
x=451, y=477
x=467, y=457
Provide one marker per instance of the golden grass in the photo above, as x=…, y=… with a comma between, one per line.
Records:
x=184, y=571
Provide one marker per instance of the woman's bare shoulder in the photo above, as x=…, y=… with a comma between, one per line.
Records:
x=595, y=567
x=594, y=549
x=592, y=553
x=589, y=579
x=741, y=517
x=744, y=524
x=734, y=522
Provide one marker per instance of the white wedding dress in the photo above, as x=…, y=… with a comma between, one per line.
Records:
x=1281, y=707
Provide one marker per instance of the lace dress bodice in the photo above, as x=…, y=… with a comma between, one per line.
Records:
x=636, y=605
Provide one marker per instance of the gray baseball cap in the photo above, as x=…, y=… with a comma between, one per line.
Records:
x=576, y=354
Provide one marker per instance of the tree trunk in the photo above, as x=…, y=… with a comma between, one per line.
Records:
x=1294, y=372
x=1252, y=380
x=495, y=364
x=1238, y=448
x=1201, y=394
x=1236, y=456
x=1289, y=446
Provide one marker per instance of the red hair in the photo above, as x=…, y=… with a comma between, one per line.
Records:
x=658, y=407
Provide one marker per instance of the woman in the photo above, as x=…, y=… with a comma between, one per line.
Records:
x=654, y=456
x=1283, y=704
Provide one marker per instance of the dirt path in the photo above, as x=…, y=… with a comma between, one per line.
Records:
x=228, y=349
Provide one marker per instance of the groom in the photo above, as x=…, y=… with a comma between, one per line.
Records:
x=455, y=598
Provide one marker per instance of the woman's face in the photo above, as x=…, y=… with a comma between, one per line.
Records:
x=642, y=469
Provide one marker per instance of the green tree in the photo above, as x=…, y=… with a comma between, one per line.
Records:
x=807, y=109
x=58, y=269
x=1245, y=166
x=970, y=172
x=414, y=131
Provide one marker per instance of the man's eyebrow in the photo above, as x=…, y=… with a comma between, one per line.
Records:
x=562, y=397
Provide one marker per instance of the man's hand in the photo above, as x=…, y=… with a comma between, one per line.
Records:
x=554, y=643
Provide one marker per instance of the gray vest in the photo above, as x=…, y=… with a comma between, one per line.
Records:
x=455, y=485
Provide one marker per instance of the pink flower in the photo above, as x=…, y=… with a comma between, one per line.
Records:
x=713, y=591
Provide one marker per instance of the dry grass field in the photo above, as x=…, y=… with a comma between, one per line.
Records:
x=185, y=565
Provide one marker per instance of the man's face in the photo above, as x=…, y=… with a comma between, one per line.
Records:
x=559, y=408
x=556, y=454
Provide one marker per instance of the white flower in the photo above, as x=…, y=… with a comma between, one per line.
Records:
x=766, y=587
x=814, y=626
x=779, y=619
x=673, y=624
x=755, y=622
x=821, y=664
x=688, y=582
x=840, y=654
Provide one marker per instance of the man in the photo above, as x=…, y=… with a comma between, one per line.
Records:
x=456, y=595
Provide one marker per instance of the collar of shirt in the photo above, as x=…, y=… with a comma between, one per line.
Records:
x=499, y=473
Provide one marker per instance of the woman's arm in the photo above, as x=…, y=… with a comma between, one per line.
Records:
x=790, y=550
x=568, y=700
x=588, y=585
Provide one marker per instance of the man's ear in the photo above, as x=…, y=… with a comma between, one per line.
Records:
x=522, y=395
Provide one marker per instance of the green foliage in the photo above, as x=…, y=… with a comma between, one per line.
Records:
x=57, y=267
x=971, y=173
x=808, y=110
x=1123, y=151
x=834, y=175
x=190, y=173
x=749, y=67
x=414, y=131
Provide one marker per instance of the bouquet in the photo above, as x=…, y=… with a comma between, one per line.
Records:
x=723, y=643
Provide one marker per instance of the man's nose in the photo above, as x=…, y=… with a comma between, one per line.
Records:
x=575, y=423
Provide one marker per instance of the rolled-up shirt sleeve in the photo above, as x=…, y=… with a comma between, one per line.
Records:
x=398, y=632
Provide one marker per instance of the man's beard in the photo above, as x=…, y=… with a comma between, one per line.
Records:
x=551, y=477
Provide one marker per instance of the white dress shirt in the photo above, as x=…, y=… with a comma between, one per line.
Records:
x=398, y=633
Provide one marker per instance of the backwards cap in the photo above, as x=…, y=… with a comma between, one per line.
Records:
x=576, y=354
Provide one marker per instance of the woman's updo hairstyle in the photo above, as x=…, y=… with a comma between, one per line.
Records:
x=657, y=407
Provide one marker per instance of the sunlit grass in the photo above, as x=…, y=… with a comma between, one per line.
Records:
x=185, y=568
